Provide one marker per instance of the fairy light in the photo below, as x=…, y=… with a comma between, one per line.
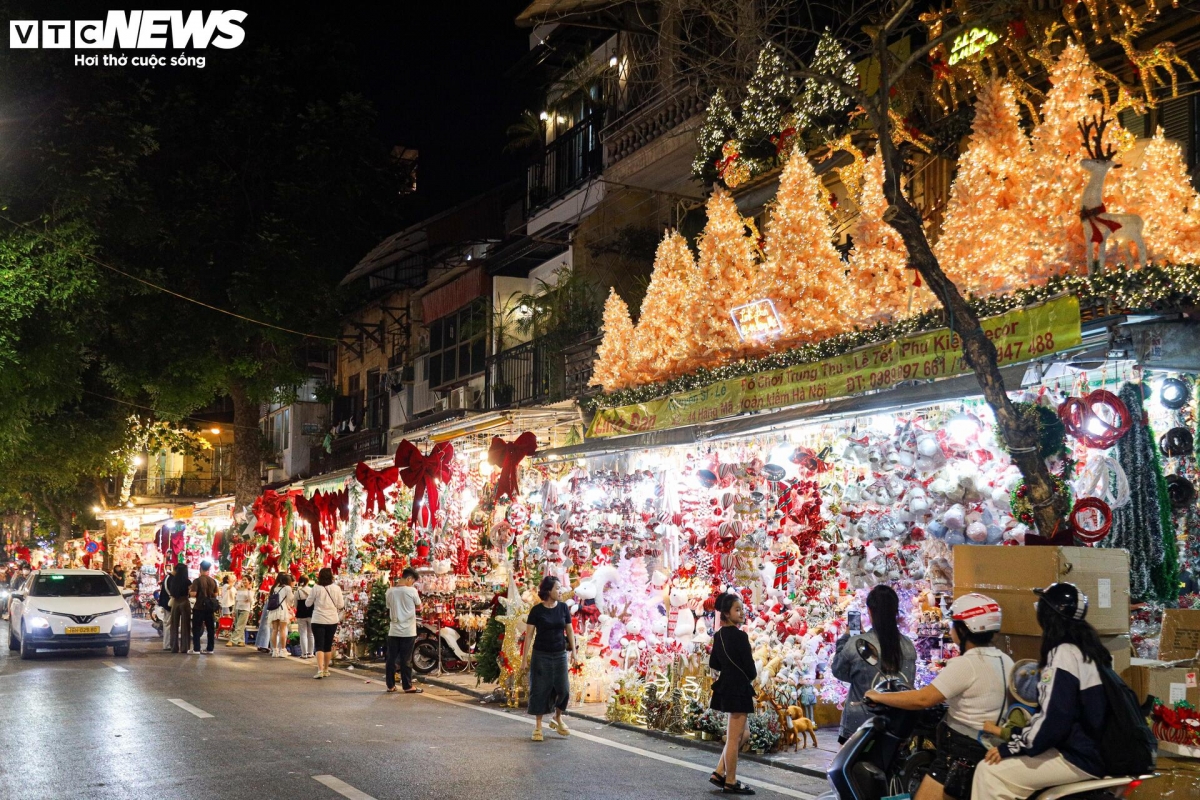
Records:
x=768, y=97
x=821, y=98
x=729, y=275
x=719, y=125
x=612, y=356
x=662, y=338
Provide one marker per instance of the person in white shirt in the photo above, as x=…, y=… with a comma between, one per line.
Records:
x=327, y=603
x=227, y=596
x=243, y=604
x=279, y=617
x=974, y=688
x=403, y=603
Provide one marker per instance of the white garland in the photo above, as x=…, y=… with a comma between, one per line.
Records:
x=1103, y=478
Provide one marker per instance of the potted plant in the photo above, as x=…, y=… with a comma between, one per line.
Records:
x=710, y=725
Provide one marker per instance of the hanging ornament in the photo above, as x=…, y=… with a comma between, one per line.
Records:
x=1092, y=520
x=1176, y=442
x=507, y=456
x=421, y=473
x=1103, y=477
x=1098, y=420
x=1180, y=491
x=373, y=483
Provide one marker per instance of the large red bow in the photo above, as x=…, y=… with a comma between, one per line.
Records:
x=507, y=455
x=237, y=557
x=268, y=514
x=421, y=473
x=308, y=511
x=374, y=482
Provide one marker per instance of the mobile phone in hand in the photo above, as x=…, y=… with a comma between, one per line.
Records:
x=854, y=622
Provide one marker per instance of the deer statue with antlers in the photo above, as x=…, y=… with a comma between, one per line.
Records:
x=1099, y=225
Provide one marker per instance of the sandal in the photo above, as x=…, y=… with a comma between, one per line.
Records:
x=537, y=735
x=717, y=780
x=560, y=728
x=414, y=691
x=737, y=788
x=392, y=690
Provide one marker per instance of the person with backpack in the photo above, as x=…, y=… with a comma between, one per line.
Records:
x=1078, y=696
x=304, y=617
x=974, y=687
x=279, y=613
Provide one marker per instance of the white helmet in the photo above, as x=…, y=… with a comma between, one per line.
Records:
x=980, y=613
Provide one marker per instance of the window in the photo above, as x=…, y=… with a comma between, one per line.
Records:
x=58, y=585
x=278, y=429
x=458, y=344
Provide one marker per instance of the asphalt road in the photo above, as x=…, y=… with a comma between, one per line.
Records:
x=238, y=724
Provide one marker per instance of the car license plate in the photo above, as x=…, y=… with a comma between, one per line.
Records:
x=84, y=629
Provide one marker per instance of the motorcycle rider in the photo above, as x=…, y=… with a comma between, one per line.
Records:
x=1056, y=747
x=973, y=686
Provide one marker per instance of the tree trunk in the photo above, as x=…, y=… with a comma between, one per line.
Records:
x=1021, y=434
x=64, y=532
x=247, y=447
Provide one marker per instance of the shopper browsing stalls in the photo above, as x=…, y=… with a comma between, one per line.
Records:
x=974, y=688
x=732, y=692
x=1058, y=745
x=546, y=657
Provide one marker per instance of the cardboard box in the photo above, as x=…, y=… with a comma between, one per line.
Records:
x=1166, y=682
x=1180, y=635
x=1010, y=574
x=1030, y=647
x=1177, y=779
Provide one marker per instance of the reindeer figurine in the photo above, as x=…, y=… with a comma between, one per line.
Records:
x=1098, y=224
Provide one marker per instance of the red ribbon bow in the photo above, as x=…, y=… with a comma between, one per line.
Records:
x=507, y=455
x=307, y=510
x=374, y=482
x=1092, y=217
x=421, y=473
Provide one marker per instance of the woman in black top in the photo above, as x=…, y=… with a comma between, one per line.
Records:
x=732, y=692
x=550, y=637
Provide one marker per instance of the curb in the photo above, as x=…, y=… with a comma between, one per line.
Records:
x=685, y=741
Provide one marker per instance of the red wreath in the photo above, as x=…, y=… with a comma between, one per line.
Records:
x=1079, y=417
x=1095, y=534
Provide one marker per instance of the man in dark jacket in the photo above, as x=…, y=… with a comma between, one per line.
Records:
x=204, y=589
x=178, y=586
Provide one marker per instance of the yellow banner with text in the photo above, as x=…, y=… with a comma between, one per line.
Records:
x=1022, y=334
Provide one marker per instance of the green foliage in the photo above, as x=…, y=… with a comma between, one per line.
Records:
x=719, y=127
x=487, y=653
x=769, y=96
x=378, y=621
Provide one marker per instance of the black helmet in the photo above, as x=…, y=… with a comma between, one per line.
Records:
x=1065, y=599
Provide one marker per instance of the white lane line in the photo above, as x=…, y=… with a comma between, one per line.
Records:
x=191, y=709
x=113, y=666
x=342, y=788
x=773, y=787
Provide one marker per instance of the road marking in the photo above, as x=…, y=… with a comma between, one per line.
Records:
x=342, y=788
x=575, y=734
x=191, y=709
x=113, y=666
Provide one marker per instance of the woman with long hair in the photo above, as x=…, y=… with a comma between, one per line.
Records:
x=1059, y=744
x=327, y=603
x=897, y=656
x=304, y=617
x=546, y=655
x=732, y=692
x=279, y=615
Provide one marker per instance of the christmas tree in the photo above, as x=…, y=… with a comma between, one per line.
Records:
x=769, y=96
x=612, y=356
x=1160, y=190
x=378, y=620
x=729, y=275
x=661, y=338
x=820, y=99
x=983, y=242
x=487, y=653
x=805, y=276
x=719, y=127
x=880, y=285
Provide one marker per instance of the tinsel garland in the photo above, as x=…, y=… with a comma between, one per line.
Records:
x=350, y=536
x=1138, y=526
x=1165, y=573
x=1151, y=288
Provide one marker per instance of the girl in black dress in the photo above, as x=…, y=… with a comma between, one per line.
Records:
x=732, y=692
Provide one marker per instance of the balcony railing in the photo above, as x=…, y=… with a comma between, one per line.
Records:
x=568, y=161
x=535, y=373
x=350, y=448
x=657, y=115
x=190, y=484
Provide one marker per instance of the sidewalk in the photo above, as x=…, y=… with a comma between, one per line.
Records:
x=811, y=761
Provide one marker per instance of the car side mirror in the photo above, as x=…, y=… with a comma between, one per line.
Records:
x=18, y=595
x=127, y=593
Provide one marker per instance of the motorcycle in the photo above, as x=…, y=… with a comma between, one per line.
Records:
x=429, y=641
x=881, y=758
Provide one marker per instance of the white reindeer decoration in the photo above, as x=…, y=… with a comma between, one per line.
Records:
x=1098, y=224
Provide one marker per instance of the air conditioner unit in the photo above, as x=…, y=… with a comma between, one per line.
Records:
x=441, y=404
x=464, y=397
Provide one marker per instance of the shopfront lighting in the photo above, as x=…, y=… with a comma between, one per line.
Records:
x=962, y=427
x=594, y=496
x=544, y=116
x=781, y=456
x=96, y=509
x=1173, y=394
x=215, y=431
x=612, y=61
x=138, y=461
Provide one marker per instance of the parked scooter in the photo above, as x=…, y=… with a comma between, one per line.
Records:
x=878, y=760
x=425, y=651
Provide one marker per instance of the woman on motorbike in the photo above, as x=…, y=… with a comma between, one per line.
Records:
x=973, y=686
x=732, y=691
x=1057, y=746
x=897, y=656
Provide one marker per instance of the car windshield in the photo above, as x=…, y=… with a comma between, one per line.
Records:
x=73, y=586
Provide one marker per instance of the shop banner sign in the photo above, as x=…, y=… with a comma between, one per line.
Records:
x=1022, y=334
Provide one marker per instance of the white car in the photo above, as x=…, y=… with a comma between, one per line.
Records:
x=69, y=608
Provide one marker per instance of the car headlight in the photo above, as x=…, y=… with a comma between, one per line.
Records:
x=121, y=622
x=39, y=622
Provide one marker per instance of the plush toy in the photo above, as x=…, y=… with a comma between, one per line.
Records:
x=800, y=725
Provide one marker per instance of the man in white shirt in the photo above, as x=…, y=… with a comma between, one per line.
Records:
x=974, y=687
x=403, y=603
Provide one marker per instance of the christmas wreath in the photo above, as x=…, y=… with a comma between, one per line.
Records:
x=1023, y=508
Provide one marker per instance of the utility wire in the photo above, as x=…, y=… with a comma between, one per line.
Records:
x=163, y=289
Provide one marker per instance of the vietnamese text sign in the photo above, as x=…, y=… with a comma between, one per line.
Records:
x=1019, y=335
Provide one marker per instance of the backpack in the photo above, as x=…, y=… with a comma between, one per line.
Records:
x=274, y=601
x=1127, y=745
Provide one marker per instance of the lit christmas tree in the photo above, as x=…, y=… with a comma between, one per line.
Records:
x=769, y=96
x=662, y=338
x=1160, y=190
x=728, y=274
x=805, y=276
x=719, y=127
x=821, y=99
x=880, y=286
x=983, y=242
x=612, y=371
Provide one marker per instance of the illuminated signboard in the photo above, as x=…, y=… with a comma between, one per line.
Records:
x=971, y=43
x=756, y=320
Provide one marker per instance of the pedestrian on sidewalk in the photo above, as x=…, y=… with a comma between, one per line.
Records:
x=732, y=692
x=263, y=640
x=403, y=603
x=164, y=609
x=279, y=613
x=228, y=596
x=206, y=592
x=304, y=616
x=546, y=658
x=179, y=587
x=327, y=603
x=243, y=604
